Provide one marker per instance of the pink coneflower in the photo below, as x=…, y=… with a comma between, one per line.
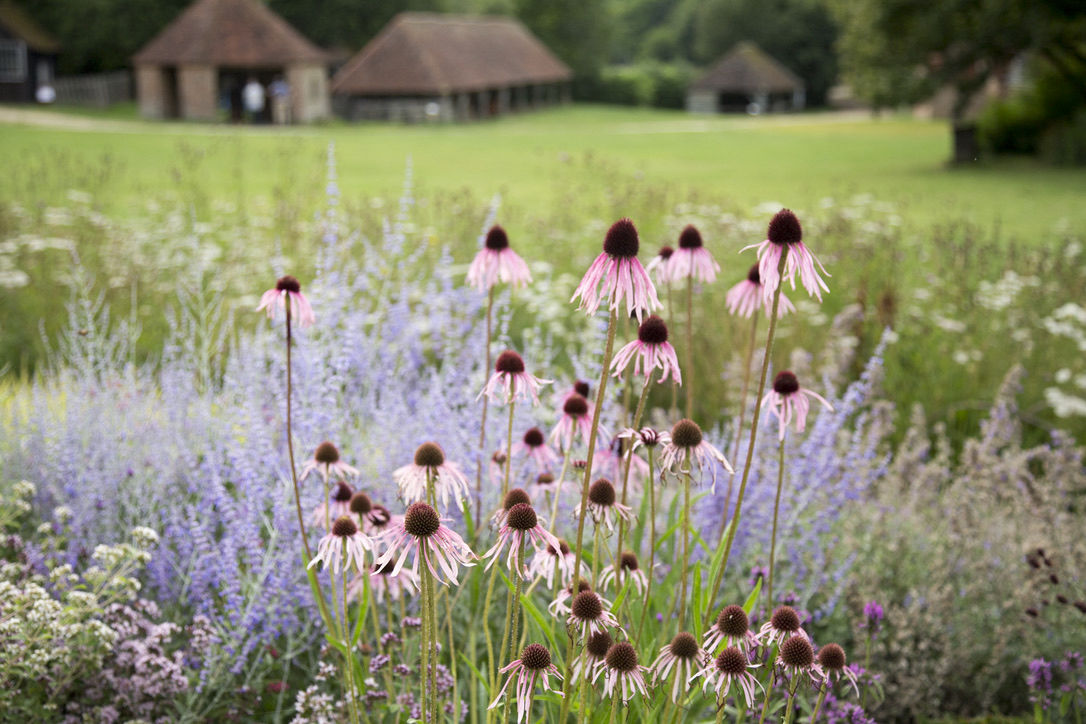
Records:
x=797, y=660
x=660, y=265
x=339, y=504
x=831, y=658
x=344, y=546
x=384, y=584
x=360, y=505
x=580, y=387
x=684, y=656
x=430, y=463
x=785, y=232
x=623, y=676
x=686, y=437
x=788, y=399
x=731, y=666
x=555, y=564
x=732, y=628
x=379, y=519
x=626, y=568
x=621, y=274
x=533, y=665
x=782, y=625
x=422, y=532
x=275, y=299
x=510, y=382
x=560, y=605
x=746, y=296
x=587, y=667
x=692, y=259
x=576, y=418
x=609, y=462
x=588, y=614
x=327, y=463
x=515, y=496
x=521, y=528
x=603, y=506
x=646, y=436
x=534, y=445
x=651, y=351
x=497, y=262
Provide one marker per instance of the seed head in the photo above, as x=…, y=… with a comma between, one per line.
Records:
x=1054, y=579
x=360, y=503
x=731, y=661
x=785, y=383
x=754, y=275
x=288, y=284
x=515, y=496
x=327, y=453
x=563, y=549
x=586, y=606
x=534, y=437
x=686, y=434
x=343, y=492
x=665, y=252
x=684, y=646
x=499, y=457
x=832, y=657
x=575, y=406
x=621, y=240
x=421, y=520
x=581, y=388
x=784, y=228
x=510, y=362
x=544, y=479
x=652, y=330
x=497, y=239
x=380, y=516
x=535, y=656
x=649, y=437
x=622, y=657
x=690, y=238
x=344, y=527
x=732, y=621
x=599, y=644
x=429, y=455
x=786, y=619
x=797, y=652
x=628, y=561
x=522, y=517
x=602, y=492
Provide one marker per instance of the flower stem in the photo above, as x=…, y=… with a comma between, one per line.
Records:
x=768, y=692
x=508, y=452
x=690, y=344
x=718, y=575
x=557, y=490
x=509, y=637
x=791, y=701
x=349, y=658
x=486, y=400
x=614, y=708
x=686, y=539
x=629, y=462
x=491, y=661
x=818, y=704
x=742, y=419
x=652, y=548
x=773, y=536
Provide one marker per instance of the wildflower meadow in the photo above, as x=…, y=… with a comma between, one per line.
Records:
x=763, y=467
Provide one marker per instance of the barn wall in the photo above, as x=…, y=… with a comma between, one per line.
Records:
x=197, y=91
x=309, y=93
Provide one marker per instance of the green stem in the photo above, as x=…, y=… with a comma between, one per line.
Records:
x=508, y=453
x=742, y=418
x=349, y=659
x=595, y=555
x=690, y=342
x=629, y=464
x=768, y=694
x=791, y=701
x=558, y=489
x=718, y=575
x=773, y=536
x=818, y=704
x=582, y=708
x=652, y=547
x=486, y=400
x=614, y=708
x=517, y=584
x=491, y=661
x=686, y=539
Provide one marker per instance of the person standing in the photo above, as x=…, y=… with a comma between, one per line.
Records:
x=253, y=95
x=279, y=90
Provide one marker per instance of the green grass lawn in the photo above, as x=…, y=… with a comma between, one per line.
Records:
x=538, y=160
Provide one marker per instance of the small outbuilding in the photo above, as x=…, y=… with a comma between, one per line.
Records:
x=28, y=58
x=746, y=80
x=197, y=67
x=436, y=67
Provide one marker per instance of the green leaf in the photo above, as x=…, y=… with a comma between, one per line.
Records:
x=476, y=673
x=541, y=621
x=699, y=604
x=748, y=606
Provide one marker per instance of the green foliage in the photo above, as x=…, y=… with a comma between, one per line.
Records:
x=577, y=31
x=644, y=84
x=345, y=24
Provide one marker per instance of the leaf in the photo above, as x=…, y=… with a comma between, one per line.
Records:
x=477, y=674
x=748, y=606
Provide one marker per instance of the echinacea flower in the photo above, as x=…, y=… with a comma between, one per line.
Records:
x=692, y=260
x=782, y=625
x=510, y=382
x=534, y=445
x=287, y=295
x=660, y=265
x=344, y=547
x=430, y=465
x=326, y=462
x=576, y=418
x=513, y=497
x=732, y=628
x=797, y=660
x=559, y=606
x=379, y=519
x=337, y=505
x=603, y=505
x=587, y=667
x=521, y=529
x=731, y=666
x=684, y=656
x=785, y=236
x=360, y=505
x=650, y=351
x=554, y=564
x=497, y=262
x=533, y=665
x=588, y=614
x=686, y=437
x=422, y=533
x=623, y=675
x=787, y=400
x=620, y=273
x=831, y=658
x=609, y=462
x=745, y=297
x=626, y=568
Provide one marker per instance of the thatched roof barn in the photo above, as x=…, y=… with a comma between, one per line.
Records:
x=748, y=80
x=428, y=66
x=198, y=64
x=28, y=56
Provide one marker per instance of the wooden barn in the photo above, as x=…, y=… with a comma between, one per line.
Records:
x=28, y=57
x=434, y=67
x=198, y=65
x=746, y=80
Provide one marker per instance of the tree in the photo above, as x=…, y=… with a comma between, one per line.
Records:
x=577, y=31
